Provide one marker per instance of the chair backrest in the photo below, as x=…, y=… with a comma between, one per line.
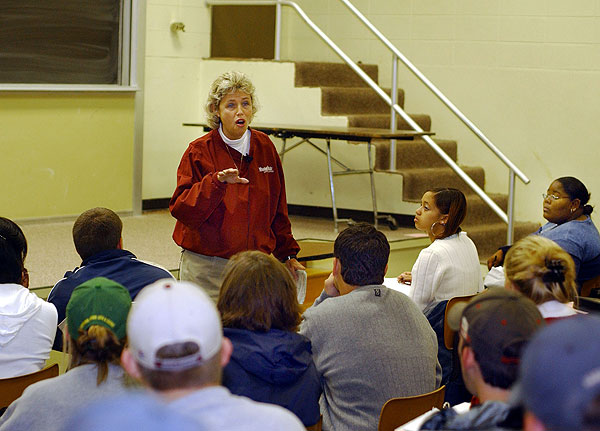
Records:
x=448, y=332
x=398, y=411
x=316, y=427
x=13, y=387
x=590, y=285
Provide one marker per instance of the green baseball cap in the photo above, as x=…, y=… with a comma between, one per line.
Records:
x=98, y=301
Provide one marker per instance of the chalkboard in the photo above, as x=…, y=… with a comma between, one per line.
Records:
x=60, y=41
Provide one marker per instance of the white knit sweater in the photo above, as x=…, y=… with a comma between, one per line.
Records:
x=448, y=267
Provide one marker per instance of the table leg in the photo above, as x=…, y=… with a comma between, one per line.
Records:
x=373, y=191
x=331, y=187
x=282, y=153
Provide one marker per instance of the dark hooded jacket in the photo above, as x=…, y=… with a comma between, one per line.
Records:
x=274, y=367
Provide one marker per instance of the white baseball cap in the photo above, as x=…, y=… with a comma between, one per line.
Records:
x=171, y=312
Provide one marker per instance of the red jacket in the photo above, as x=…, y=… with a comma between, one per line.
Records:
x=219, y=219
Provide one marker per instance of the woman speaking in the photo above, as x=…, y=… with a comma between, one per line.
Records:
x=230, y=193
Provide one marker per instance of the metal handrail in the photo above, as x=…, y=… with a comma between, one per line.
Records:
x=395, y=107
x=437, y=92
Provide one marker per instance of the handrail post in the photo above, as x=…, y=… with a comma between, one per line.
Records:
x=511, y=208
x=278, y=31
x=393, y=112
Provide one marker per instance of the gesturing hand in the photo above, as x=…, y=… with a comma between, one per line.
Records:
x=231, y=176
x=329, y=286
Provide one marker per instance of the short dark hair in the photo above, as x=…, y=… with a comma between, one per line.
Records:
x=452, y=202
x=96, y=230
x=258, y=294
x=577, y=190
x=209, y=372
x=13, y=250
x=363, y=253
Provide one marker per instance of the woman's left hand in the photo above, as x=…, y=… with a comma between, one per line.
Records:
x=293, y=265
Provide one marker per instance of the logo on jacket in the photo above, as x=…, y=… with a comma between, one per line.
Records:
x=266, y=169
x=377, y=292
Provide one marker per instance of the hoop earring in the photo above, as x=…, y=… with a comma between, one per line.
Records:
x=433, y=224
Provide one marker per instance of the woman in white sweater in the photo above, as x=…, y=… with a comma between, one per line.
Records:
x=450, y=265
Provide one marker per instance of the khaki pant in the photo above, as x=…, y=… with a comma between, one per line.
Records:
x=205, y=271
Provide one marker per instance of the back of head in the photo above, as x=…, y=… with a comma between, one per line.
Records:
x=96, y=230
x=452, y=202
x=96, y=321
x=258, y=294
x=363, y=253
x=228, y=82
x=577, y=190
x=497, y=324
x=13, y=249
x=560, y=374
x=541, y=270
x=175, y=335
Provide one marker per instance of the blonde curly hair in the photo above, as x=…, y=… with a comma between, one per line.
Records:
x=228, y=82
x=541, y=270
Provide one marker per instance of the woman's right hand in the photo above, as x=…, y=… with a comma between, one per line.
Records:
x=405, y=277
x=231, y=176
x=496, y=259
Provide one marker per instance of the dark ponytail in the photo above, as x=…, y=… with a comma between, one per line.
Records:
x=577, y=190
x=452, y=202
x=13, y=249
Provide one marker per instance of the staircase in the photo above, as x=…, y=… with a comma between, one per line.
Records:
x=343, y=93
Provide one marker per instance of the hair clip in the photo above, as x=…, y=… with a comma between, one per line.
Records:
x=556, y=271
x=3, y=237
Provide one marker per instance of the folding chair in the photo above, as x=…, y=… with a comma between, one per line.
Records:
x=13, y=387
x=398, y=411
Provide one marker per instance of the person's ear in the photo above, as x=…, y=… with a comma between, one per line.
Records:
x=385, y=270
x=337, y=267
x=130, y=365
x=120, y=244
x=575, y=204
x=467, y=357
x=443, y=219
x=226, y=351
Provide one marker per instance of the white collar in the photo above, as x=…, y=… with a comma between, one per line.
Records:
x=240, y=144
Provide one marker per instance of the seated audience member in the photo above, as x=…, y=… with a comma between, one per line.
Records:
x=542, y=271
x=494, y=328
x=559, y=383
x=98, y=241
x=569, y=224
x=134, y=411
x=96, y=319
x=270, y=363
x=28, y=323
x=177, y=349
x=369, y=343
x=450, y=265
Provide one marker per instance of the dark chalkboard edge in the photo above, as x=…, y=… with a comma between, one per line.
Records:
x=69, y=87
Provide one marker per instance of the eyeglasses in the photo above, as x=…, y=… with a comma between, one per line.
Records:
x=552, y=197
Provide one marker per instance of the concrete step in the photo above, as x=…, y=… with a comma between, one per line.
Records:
x=313, y=74
x=382, y=121
x=353, y=101
x=413, y=154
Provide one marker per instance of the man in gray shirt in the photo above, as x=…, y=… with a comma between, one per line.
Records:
x=369, y=343
x=177, y=349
